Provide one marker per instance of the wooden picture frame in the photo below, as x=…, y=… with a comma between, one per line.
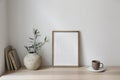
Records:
x=65, y=48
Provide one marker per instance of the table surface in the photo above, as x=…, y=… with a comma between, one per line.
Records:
x=61, y=73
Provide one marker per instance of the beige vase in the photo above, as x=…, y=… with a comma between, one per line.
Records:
x=32, y=61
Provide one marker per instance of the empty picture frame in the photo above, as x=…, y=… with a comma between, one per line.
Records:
x=65, y=48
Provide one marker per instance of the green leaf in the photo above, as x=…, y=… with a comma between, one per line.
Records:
x=36, y=31
x=35, y=46
x=45, y=38
x=31, y=38
x=38, y=43
x=35, y=36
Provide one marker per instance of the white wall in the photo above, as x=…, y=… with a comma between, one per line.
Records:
x=97, y=20
x=3, y=34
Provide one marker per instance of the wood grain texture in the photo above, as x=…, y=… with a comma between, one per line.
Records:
x=52, y=73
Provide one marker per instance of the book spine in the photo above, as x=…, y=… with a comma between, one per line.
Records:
x=12, y=60
x=6, y=51
x=14, y=52
x=6, y=60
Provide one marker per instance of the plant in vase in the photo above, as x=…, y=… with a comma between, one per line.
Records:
x=33, y=60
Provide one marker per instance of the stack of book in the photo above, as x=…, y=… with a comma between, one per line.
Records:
x=11, y=59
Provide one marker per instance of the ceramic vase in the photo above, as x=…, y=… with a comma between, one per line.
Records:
x=32, y=61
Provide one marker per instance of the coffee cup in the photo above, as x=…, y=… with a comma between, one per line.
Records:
x=96, y=65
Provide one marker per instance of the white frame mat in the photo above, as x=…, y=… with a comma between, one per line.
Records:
x=65, y=48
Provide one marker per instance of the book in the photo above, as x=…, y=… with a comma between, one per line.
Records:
x=12, y=60
x=6, y=50
x=16, y=58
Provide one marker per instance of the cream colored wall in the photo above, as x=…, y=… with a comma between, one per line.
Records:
x=97, y=20
x=3, y=33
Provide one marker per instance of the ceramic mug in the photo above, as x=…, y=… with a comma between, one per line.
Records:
x=97, y=64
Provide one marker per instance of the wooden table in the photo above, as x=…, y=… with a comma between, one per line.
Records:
x=53, y=73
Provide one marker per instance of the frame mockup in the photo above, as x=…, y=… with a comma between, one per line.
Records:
x=65, y=48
